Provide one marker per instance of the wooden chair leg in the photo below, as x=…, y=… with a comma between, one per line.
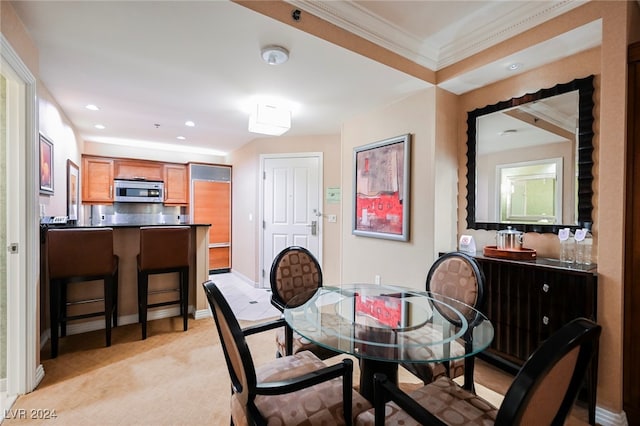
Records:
x=184, y=297
x=143, y=290
x=54, y=308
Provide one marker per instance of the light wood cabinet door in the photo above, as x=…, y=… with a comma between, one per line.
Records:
x=176, y=184
x=97, y=180
x=138, y=169
x=212, y=204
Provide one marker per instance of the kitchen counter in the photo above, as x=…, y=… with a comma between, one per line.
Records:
x=126, y=245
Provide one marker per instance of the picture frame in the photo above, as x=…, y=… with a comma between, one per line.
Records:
x=381, y=189
x=73, y=190
x=46, y=165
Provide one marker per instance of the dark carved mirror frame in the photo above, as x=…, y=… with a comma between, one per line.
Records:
x=584, y=160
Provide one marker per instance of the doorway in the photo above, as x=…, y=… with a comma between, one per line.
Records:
x=290, y=209
x=18, y=228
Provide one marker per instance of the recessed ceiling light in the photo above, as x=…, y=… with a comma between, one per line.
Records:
x=189, y=123
x=182, y=138
x=92, y=107
x=99, y=126
x=514, y=66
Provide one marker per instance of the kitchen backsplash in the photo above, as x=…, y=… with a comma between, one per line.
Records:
x=135, y=214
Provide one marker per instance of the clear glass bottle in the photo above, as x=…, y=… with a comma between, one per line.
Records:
x=567, y=245
x=584, y=244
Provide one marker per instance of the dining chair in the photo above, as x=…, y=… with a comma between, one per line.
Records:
x=457, y=276
x=542, y=393
x=295, y=389
x=295, y=270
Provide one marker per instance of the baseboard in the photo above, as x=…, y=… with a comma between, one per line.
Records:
x=244, y=278
x=609, y=418
x=39, y=375
x=202, y=313
x=84, y=327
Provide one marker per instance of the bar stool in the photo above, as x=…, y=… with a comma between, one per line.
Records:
x=81, y=255
x=163, y=249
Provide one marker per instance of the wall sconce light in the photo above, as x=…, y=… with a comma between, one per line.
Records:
x=269, y=120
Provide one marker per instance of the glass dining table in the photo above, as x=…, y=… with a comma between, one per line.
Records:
x=385, y=325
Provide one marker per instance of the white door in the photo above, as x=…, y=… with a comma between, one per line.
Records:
x=292, y=199
x=18, y=228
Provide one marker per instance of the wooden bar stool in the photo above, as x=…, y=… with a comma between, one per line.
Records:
x=81, y=255
x=163, y=249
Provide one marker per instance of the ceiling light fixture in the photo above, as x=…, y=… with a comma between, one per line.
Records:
x=99, y=126
x=189, y=123
x=274, y=55
x=269, y=120
x=92, y=107
x=514, y=66
x=182, y=138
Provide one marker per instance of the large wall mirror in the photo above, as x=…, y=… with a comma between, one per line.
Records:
x=529, y=160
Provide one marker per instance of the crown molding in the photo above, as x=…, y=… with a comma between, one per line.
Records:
x=356, y=19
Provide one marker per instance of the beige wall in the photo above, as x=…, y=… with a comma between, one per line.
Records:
x=608, y=63
x=402, y=263
x=246, y=209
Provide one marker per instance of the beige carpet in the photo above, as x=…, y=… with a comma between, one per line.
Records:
x=172, y=378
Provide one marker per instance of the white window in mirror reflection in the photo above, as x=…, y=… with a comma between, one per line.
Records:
x=530, y=192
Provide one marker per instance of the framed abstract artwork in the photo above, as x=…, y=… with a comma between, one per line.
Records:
x=381, y=189
x=46, y=165
x=73, y=190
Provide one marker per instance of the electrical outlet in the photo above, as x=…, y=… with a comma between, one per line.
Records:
x=377, y=279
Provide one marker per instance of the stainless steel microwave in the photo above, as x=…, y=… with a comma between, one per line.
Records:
x=138, y=191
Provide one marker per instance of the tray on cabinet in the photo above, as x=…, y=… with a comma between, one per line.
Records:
x=522, y=254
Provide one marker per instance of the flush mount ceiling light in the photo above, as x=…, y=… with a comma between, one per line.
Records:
x=269, y=120
x=274, y=55
x=514, y=66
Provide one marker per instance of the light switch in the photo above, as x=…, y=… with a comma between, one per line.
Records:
x=332, y=218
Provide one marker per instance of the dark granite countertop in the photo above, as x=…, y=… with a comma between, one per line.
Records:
x=545, y=263
x=128, y=225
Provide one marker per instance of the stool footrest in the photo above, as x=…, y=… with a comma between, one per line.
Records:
x=82, y=316
x=156, y=305
x=84, y=302
x=168, y=290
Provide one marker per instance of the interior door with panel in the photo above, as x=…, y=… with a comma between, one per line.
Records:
x=291, y=210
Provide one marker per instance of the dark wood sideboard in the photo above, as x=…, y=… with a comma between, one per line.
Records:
x=527, y=301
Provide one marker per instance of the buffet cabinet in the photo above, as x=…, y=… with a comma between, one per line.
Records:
x=526, y=301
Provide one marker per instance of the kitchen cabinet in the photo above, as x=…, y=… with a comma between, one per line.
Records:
x=176, y=184
x=138, y=169
x=527, y=301
x=97, y=180
x=211, y=203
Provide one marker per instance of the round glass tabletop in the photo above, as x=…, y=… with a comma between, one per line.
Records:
x=388, y=323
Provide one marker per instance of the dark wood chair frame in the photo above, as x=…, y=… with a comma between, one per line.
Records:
x=276, y=299
x=580, y=332
x=343, y=369
x=469, y=361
